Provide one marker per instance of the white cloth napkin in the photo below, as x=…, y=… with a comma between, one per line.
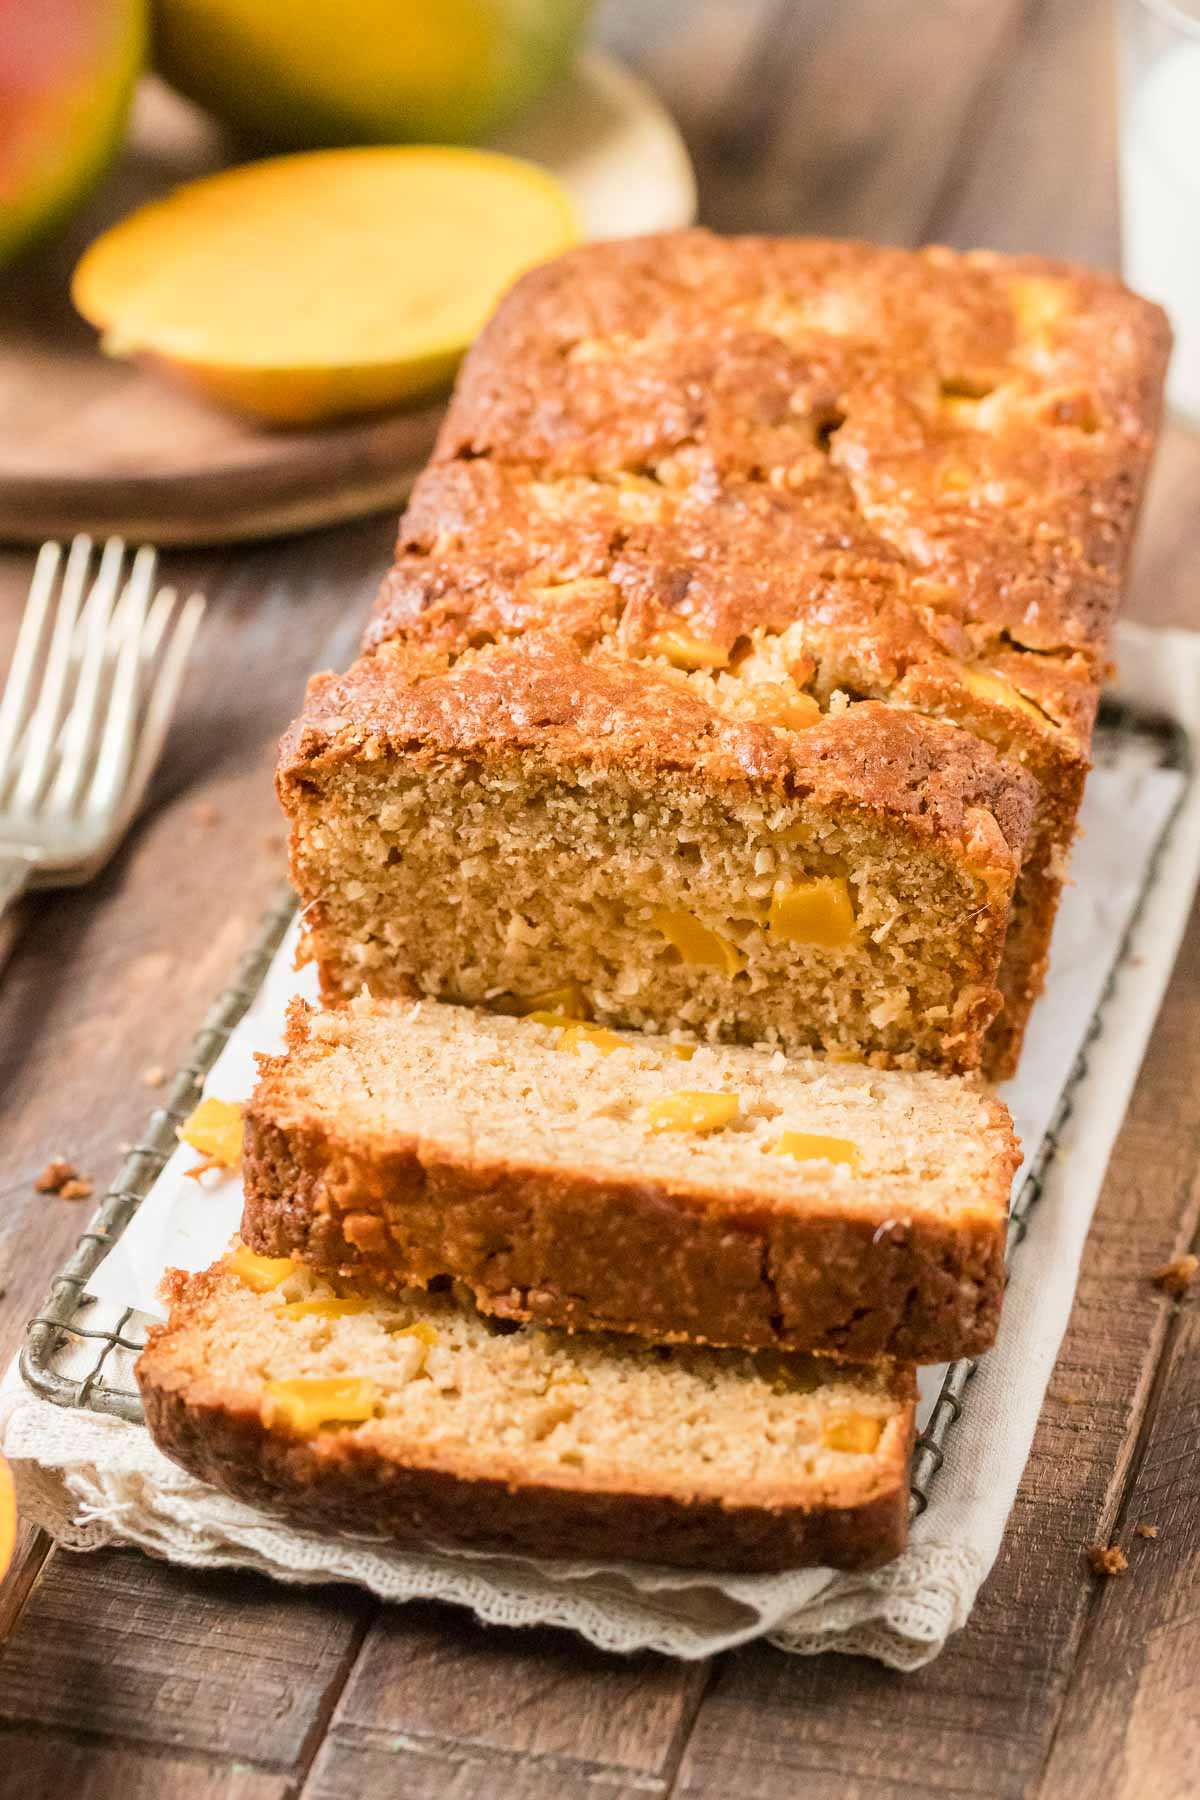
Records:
x=92, y=1480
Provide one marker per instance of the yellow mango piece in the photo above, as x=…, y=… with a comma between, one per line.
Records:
x=323, y=1309
x=816, y=912
x=420, y=1329
x=960, y=409
x=307, y=1402
x=215, y=1129
x=684, y=1052
x=808, y=1146
x=774, y=704
x=691, y=1111
x=258, y=1272
x=695, y=942
x=552, y=1018
x=598, y=1036
x=1036, y=301
x=568, y=1001
x=852, y=1432
x=683, y=650
x=225, y=281
x=989, y=686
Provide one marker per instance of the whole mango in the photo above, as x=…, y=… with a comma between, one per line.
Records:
x=67, y=73
x=307, y=74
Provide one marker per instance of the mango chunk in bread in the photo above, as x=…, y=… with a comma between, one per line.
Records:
x=794, y=1204
x=688, y=1110
x=529, y=1440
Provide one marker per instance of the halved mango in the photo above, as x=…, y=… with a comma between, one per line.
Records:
x=307, y=288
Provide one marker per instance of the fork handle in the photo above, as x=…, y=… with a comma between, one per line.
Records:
x=14, y=879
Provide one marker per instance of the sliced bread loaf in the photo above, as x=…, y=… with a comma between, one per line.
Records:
x=588, y=1179
x=414, y=1415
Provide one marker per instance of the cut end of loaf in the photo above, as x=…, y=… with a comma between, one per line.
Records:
x=451, y=859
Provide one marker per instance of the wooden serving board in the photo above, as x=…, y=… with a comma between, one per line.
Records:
x=90, y=444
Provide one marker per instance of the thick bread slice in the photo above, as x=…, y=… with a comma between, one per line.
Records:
x=521, y=1439
x=403, y=1142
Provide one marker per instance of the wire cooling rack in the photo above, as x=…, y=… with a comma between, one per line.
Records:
x=62, y=1325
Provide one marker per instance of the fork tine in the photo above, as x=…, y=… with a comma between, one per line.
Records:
x=157, y=622
x=20, y=675
x=78, y=735
x=161, y=705
x=43, y=727
x=120, y=719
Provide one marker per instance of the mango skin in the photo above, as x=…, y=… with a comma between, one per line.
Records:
x=311, y=75
x=68, y=69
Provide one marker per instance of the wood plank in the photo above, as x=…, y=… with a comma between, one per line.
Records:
x=29, y=1555
x=980, y=1719
x=1128, y=1728
x=225, y=1663
x=35, y=1763
x=439, y=1706
x=841, y=120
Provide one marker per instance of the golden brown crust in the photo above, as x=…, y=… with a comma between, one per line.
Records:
x=842, y=470
x=339, y=1482
x=754, y=351
x=544, y=704
x=576, y=1248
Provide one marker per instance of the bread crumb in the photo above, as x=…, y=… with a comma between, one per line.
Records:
x=1146, y=1531
x=154, y=1076
x=1070, y=1398
x=1107, y=1559
x=1176, y=1276
x=206, y=813
x=54, y=1177
x=78, y=1188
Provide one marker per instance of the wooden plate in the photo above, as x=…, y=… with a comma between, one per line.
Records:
x=93, y=445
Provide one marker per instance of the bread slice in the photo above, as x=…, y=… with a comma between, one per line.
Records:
x=404, y=1142
x=439, y=1424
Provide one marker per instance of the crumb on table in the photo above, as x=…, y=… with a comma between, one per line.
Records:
x=1107, y=1559
x=1145, y=1530
x=1176, y=1277
x=55, y=1176
x=78, y=1188
x=154, y=1076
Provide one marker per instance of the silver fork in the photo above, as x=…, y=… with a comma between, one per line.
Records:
x=88, y=699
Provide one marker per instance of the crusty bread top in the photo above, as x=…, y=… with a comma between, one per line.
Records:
x=851, y=381
x=544, y=706
x=380, y=1077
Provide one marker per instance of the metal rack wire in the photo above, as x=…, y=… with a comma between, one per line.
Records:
x=61, y=1319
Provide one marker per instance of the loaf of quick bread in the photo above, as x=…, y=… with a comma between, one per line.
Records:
x=742, y=649
x=576, y=1176
x=413, y=1416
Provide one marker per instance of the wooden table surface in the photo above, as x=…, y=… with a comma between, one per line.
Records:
x=970, y=121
